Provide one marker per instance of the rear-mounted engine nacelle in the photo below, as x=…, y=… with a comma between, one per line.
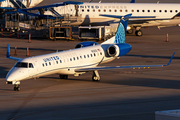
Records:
x=118, y=50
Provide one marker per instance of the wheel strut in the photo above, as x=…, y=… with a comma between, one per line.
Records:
x=95, y=76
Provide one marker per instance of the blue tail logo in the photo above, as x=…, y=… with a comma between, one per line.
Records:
x=121, y=31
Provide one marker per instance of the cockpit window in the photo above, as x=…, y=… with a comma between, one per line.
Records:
x=22, y=64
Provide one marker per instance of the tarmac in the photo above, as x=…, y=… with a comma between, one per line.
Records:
x=124, y=94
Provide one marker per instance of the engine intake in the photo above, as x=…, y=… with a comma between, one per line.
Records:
x=118, y=50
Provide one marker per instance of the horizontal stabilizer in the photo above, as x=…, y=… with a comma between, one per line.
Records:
x=123, y=67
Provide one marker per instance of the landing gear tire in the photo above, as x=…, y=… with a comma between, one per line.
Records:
x=16, y=88
x=139, y=33
x=63, y=76
x=95, y=76
x=130, y=31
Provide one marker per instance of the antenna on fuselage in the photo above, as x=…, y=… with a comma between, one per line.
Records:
x=100, y=1
x=157, y=2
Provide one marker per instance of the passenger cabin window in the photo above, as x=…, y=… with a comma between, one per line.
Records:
x=120, y=10
x=154, y=10
x=87, y=10
x=57, y=62
x=148, y=10
x=137, y=10
x=46, y=64
x=104, y=10
x=132, y=10
x=126, y=10
x=60, y=61
x=49, y=63
x=160, y=10
x=165, y=11
x=31, y=65
x=22, y=65
x=43, y=65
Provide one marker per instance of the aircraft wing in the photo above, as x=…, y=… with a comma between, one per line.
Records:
x=123, y=67
x=8, y=55
x=54, y=5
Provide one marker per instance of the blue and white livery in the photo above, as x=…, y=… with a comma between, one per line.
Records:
x=84, y=58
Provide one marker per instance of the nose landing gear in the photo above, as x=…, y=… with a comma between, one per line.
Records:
x=16, y=87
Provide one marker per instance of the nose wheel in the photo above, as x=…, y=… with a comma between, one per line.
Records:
x=95, y=76
x=16, y=87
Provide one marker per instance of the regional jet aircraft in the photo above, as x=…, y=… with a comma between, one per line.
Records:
x=143, y=14
x=84, y=58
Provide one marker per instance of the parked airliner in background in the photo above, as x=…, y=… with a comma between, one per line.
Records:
x=143, y=14
x=84, y=58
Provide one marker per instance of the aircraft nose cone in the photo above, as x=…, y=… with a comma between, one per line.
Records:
x=12, y=75
x=9, y=77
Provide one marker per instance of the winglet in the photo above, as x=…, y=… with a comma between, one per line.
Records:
x=170, y=60
x=8, y=54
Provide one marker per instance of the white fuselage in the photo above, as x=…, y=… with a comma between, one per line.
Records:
x=63, y=63
x=90, y=12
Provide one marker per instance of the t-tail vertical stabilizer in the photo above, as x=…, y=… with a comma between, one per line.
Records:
x=121, y=31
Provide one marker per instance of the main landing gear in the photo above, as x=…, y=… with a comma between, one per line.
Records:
x=95, y=76
x=138, y=33
x=63, y=76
